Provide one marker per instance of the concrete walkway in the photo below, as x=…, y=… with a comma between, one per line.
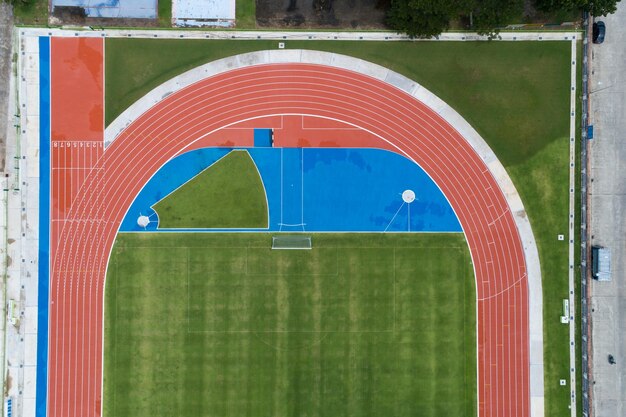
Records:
x=292, y=35
x=20, y=226
x=571, y=235
x=421, y=94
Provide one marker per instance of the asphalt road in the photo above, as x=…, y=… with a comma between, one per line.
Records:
x=608, y=211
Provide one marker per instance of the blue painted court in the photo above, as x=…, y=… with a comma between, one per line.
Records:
x=318, y=190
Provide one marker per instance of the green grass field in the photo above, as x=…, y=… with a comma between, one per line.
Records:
x=33, y=12
x=219, y=324
x=516, y=95
x=218, y=198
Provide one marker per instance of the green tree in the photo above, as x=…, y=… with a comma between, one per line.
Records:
x=601, y=7
x=489, y=15
x=595, y=7
x=421, y=18
x=426, y=18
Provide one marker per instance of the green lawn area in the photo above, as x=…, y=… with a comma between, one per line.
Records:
x=216, y=198
x=515, y=94
x=220, y=324
x=32, y=12
x=165, y=13
x=245, y=14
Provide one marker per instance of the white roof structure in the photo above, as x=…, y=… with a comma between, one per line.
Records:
x=203, y=12
x=142, y=9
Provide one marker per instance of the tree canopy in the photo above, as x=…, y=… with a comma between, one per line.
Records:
x=595, y=7
x=428, y=18
x=421, y=18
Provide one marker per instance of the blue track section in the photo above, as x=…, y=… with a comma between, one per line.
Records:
x=361, y=190
x=319, y=190
x=44, y=226
x=292, y=218
x=262, y=138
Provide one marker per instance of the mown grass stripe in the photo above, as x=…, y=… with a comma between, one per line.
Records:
x=161, y=367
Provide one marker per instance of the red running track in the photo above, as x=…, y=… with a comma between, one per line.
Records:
x=408, y=126
x=77, y=111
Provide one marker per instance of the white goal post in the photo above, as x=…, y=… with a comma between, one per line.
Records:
x=291, y=242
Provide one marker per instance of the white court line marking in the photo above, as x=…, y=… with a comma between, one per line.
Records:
x=394, y=216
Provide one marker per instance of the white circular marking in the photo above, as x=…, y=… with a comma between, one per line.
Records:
x=143, y=221
x=408, y=196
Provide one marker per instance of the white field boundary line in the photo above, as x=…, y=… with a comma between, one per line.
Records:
x=303, y=127
x=572, y=207
x=290, y=35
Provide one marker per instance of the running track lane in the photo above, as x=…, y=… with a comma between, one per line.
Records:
x=77, y=124
x=409, y=127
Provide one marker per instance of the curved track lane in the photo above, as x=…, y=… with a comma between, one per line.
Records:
x=403, y=124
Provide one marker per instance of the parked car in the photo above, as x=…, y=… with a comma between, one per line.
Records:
x=599, y=29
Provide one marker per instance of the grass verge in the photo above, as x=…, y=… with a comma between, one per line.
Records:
x=165, y=13
x=363, y=324
x=245, y=14
x=33, y=12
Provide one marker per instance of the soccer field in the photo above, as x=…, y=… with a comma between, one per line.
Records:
x=220, y=325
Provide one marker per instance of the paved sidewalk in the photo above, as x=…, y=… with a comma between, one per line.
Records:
x=292, y=35
x=608, y=215
x=19, y=205
x=6, y=30
x=573, y=126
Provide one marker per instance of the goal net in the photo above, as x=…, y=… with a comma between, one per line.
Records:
x=291, y=242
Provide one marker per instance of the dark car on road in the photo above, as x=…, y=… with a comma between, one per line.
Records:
x=599, y=29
